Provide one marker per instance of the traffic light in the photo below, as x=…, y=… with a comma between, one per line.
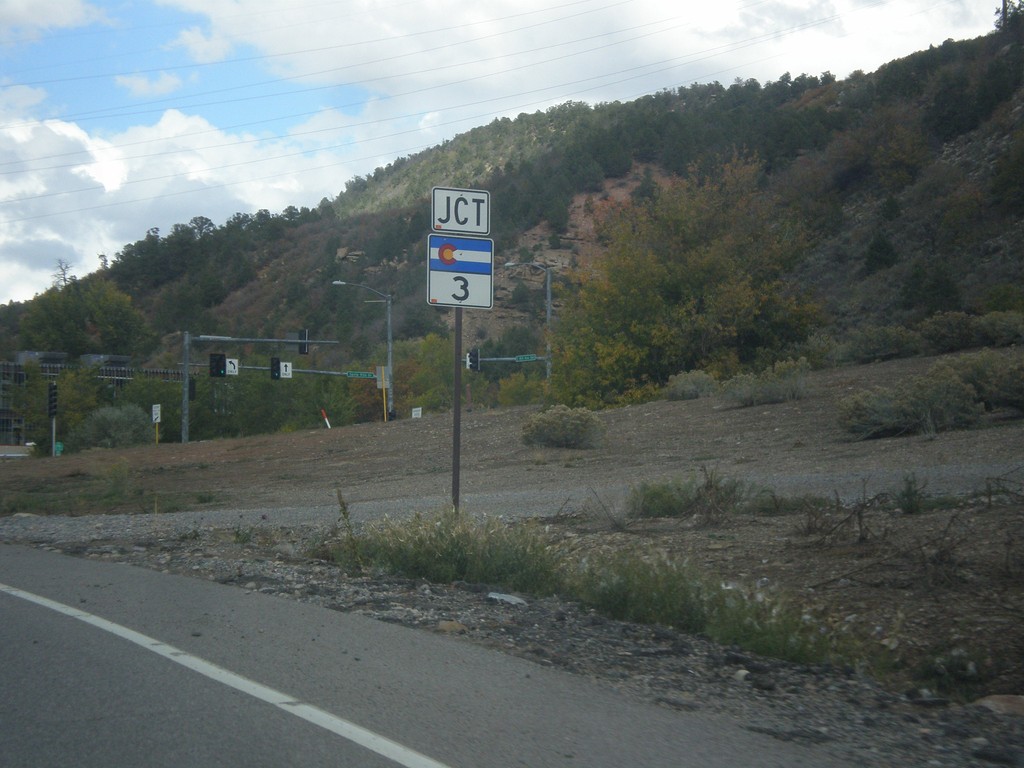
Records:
x=218, y=365
x=473, y=360
x=275, y=367
x=51, y=399
x=303, y=338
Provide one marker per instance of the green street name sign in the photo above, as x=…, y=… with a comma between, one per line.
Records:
x=525, y=358
x=360, y=375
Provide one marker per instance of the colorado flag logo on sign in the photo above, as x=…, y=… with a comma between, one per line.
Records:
x=461, y=254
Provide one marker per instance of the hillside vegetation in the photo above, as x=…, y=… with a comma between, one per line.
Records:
x=716, y=227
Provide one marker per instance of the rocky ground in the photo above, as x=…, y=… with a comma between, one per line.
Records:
x=249, y=512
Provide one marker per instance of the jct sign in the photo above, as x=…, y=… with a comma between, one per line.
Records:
x=461, y=211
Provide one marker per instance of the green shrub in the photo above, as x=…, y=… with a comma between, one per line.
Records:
x=690, y=385
x=880, y=254
x=563, y=427
x=1001, y=329
x=935, y=402
x=518, y=389
x=882, y=342
x=112, y=427
x=786, y=380
x=949, y=331
x=910, y=498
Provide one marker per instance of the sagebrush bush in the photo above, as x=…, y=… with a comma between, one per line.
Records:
x=997, y=377
x=785, y=380
x=949, y=332
x=690, y=385
x=1001, y=329
x=882, y=342
x=563, y=427
x=112, y=427
x=938, y=401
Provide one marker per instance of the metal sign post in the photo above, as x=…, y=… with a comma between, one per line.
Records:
x=460, y=273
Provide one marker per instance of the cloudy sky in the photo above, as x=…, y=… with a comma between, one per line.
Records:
x=118, y=116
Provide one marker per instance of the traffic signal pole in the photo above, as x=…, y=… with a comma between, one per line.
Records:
x=186, y=348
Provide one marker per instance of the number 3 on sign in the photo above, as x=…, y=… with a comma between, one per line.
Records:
x=462, y=292
x=459, y=289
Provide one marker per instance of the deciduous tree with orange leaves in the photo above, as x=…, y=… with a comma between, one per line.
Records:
x=691, y=279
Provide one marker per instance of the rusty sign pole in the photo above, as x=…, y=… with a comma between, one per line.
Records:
x=457, y=411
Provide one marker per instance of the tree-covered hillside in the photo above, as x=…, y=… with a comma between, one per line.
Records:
x=705, y=226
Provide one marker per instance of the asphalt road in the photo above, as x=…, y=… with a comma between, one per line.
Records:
x=106, y=665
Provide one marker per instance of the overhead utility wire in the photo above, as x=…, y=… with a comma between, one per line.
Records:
x=324, y=49
x=356, y=103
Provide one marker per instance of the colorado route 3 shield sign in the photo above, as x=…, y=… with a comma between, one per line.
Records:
x=460, y=271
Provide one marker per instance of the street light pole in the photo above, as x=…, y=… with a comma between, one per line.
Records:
x=547, y=305
x=388, y=387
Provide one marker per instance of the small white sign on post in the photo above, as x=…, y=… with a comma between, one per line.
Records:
x=231, y=366
x=460, y=211
x=156, y=413
x=417, y=413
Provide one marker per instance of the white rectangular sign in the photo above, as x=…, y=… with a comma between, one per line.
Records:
x=156, y=413
x=460, y=271
x=460, y=211
x=231, y=366
x=286, y=370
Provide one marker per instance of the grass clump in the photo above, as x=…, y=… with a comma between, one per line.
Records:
x=453, y=546
x=708, y=498
x=563, y=427
x=764, y=624
x=630, y=587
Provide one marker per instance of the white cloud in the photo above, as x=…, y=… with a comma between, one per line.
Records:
x=142, y=86
x=202, y=47
x=24, y=19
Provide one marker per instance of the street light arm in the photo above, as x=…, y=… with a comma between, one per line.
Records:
x=360, y=285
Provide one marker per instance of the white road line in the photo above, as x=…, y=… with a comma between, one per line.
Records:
x=382, y=745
